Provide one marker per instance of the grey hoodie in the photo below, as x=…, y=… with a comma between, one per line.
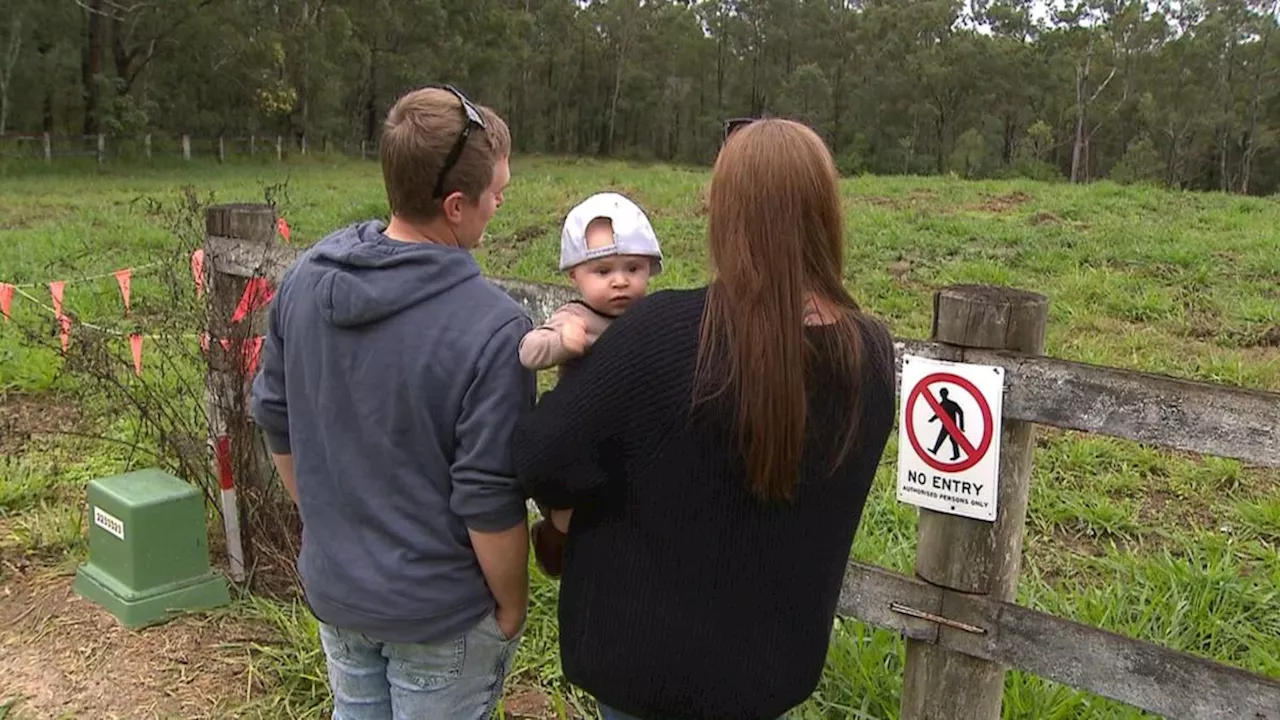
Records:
x=391, y=373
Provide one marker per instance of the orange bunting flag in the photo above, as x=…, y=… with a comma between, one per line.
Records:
x=257, y=295
x=6, y=299
x=64, y=323
x=252, y=354
x=55, y=291
x=125, y=279
x=282, y=227
x=197, y=270
x=135, y=344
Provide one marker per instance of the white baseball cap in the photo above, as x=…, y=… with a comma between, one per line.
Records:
x=632, y=233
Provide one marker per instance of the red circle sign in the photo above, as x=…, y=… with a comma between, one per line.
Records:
x=973, y=455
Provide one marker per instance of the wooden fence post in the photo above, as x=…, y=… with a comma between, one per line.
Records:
x=304, y=144
x=240, y=245
x=973, y=556
x=102, y=148
x=186, y=146
x=222, y=150
x=146, y=143
x=279, y=148
x=364, y=149
x=253, y=145
x=48, y=148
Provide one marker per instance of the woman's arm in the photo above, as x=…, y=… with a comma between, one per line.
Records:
x=558, y=446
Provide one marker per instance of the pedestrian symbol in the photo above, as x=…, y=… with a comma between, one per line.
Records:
x=953, y=430
x=948, y=456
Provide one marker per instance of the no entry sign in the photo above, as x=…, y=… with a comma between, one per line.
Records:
x=949, y=436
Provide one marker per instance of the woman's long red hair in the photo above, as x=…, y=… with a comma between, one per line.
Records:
x=776, y=241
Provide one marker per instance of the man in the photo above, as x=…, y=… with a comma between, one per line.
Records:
x=389, y=388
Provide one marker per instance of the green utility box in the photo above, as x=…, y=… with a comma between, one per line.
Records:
x=148, y=549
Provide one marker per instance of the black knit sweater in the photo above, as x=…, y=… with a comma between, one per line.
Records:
x=684, y=596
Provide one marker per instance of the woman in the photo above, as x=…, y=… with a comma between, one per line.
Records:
x=717, y=446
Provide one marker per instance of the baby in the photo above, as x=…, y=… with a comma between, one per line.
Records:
x=609, y=250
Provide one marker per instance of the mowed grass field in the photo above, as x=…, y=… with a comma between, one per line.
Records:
x=1180, y=550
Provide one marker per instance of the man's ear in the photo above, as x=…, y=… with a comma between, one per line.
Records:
x=451, y=206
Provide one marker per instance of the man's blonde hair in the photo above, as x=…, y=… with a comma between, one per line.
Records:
x=417, y=136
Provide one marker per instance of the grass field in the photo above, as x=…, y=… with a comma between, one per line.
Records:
x=1179, y=550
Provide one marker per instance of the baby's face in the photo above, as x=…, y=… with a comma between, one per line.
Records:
x=610, y=284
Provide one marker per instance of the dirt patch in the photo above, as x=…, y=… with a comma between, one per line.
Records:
x=502, y=251
x=1153, y=508
x=525, y=703
x=24, y=415
x=1003, y=203
x=526, y=234
x=1202, y=326
x=1270, y=338
x=885, y=202
x=916, y=199
x=1056, y=554
x=1258, y=483
x=62, y=656
x=900, y=268
x=1045, y=217
x=1077, y=543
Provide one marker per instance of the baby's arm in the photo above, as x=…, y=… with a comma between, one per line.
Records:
x=561, y=338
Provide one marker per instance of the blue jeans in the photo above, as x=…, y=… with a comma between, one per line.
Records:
x=608, y=713
x=458, y=679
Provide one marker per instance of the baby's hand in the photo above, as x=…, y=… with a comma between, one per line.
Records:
x=573, y=335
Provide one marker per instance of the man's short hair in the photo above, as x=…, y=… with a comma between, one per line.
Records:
x=417, y=136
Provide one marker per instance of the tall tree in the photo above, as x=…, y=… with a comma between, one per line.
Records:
x=916, y=86
x=9, y=53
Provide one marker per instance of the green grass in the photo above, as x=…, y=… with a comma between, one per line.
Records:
x=1177, y=550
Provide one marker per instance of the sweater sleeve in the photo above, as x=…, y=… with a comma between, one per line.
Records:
x=558, y=447
x=486, y=494
x=268, y=399
x=541, y=347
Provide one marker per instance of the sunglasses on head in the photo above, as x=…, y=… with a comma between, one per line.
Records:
x=473, y=120
x=733, y=125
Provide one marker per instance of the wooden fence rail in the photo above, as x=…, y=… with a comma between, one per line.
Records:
x=962, y=630
x=104, y=146
x=1146, y=675
x=1169, y=412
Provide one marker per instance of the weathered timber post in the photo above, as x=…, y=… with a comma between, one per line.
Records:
x=253, y=145
x=186, y=146
x=48, y=148
x=146, y=144
x=364, y=149
x=966, y=555
x=279, y=148
x=303, y=144
x=102, y=148
x=240, y=249
x=222, y=150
